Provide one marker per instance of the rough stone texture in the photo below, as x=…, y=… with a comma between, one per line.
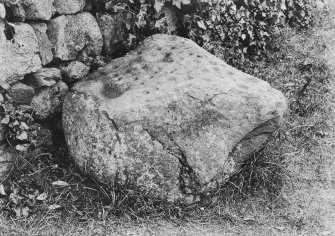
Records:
x=7, y=159
x=44, y=77
x=44, y=137
x=65, y=7
x=44, y=43
x=18, y=58
x=21, y=93
x=38, y=9
x=72, y=35
x=15, y=12
x=49, y=100
x=169, y=118
x=3, y=130
x=75, y=71
x=114, y=31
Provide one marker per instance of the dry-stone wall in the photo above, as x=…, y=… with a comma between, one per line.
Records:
x=57, y=42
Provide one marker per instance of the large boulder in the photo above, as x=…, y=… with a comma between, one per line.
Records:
x=20, y=57
x=169, y=118
x=72, y=35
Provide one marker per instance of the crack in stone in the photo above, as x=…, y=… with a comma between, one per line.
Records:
x=188, y=182
x=114, y=125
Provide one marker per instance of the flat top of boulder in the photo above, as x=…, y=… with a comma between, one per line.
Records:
x=161, y=64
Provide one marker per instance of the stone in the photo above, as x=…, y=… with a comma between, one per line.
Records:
x=88, y=6
x=44, y=44
x=44, y=77
x=7, y=160
x=3, y=132
x=72, y=35
x=169, y=118
x=75, y=71
x=65, y=7
x=43, y=137
x=98, y=62
x=38, y=9
x=114, y=31
x=21, y=93
x=20, y=57
x=48, y=101
x=16, y=13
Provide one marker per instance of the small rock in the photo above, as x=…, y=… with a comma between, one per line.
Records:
x=98, y=62
x=44, y=43
x=25, y=108
x=49, y=100
x=65, y=7
x=3, y=131
x=75, y=71
x=43, y=138
x=88, y=6
x=1, y=98
x=21, y=93
x=44, y=77
x=7, y=159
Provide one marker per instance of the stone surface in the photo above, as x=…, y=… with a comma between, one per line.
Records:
x=44, y=77
x=3, y=131
x=38, y=9
x=72, y=35
x=75, y=71
x=7, y=159
x=43, y=138
x=169, y=118
x=18, y=58
x=15, y=12
x=114, y=31
x=44, y=44
x=21, y=93
x=49, y=100
x=65, y=7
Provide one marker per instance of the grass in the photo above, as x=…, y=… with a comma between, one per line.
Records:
x=277, y=192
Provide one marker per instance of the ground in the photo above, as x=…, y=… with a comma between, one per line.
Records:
x=304, y=207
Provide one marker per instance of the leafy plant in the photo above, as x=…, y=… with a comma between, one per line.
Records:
x=21, y=130
x=244, y=27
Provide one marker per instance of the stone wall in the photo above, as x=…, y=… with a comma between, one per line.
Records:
x=57, y=42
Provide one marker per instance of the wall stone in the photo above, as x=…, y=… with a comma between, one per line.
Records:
x=38, y=9
x=19, y=57
x=44, y=44
x=73, y=35
x=65, y=7
x=114, y=31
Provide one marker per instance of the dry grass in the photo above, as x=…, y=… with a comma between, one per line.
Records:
x=287, y=188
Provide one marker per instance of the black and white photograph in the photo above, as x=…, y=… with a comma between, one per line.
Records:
x=167, y=117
